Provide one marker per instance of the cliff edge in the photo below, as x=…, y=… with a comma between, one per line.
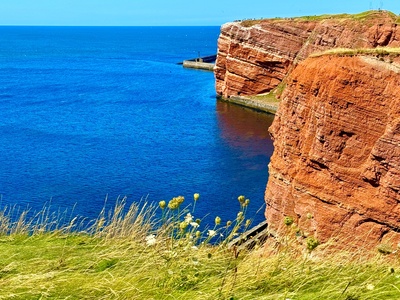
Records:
x=255, y=56
x=335, y=169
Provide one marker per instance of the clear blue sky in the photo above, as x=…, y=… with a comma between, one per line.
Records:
x=172, y=12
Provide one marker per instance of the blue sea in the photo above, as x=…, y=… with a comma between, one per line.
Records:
x=95, y=113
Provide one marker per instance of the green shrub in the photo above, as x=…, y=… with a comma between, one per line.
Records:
x=288, y=221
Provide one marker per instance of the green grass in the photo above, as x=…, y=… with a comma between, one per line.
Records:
x=273, y=96
x=360, y=17
x=378, y=51
x=132, y=254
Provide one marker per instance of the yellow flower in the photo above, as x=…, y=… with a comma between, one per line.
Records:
x=241, y=199
x=162, y=204
x=248, y=222
x=217, y=220
x=196, y=196
x=180, y=199
x=175, y=202
x=183, y=225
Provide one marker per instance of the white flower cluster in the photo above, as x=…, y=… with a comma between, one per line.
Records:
x=189, y=219
x=150, y=240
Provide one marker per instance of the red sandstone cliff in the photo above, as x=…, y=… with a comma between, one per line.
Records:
x=255, y=59
x=336, y=164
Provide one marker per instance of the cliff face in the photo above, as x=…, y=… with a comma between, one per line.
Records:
x=336, y=163
x=255, y=59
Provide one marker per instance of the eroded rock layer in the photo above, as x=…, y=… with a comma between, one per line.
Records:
x=336, y=163
x=255, y=59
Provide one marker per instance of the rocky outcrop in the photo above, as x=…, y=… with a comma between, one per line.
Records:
x=336, y=163
x=255, y=59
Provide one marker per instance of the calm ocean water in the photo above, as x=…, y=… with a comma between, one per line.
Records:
x=93, y=112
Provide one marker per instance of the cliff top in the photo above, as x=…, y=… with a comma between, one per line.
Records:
x=255, y=56
x=361, y=17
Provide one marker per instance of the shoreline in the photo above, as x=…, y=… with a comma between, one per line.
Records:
x=261, y=105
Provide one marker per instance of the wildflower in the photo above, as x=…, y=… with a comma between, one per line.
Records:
x=312, y=243
x=211, y=233
x=172, y=204
x=150, y=240
x=198, y=221
x=198, y=233
x=162, y=204
x=194, y=224
x=288, y=220
x=188, y=218
x=246, y=203
x=196, y=196
x=183, y=225
x=370, y=286
x=240, y=215
x=229, y=223
x=217, y=220
x=175, y=202
x=248, y=222
x=241, y=199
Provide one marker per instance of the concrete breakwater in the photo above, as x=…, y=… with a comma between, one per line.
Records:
x=203, y=63
x=260, y=105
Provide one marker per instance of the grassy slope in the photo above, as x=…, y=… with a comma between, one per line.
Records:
x=113, y=261
x=378, y=52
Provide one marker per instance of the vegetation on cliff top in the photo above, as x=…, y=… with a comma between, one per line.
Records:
x=367, y=15
x=133, y=254
x=379, y=52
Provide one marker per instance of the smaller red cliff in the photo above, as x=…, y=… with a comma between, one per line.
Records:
x=336, y=163
x=254, y=59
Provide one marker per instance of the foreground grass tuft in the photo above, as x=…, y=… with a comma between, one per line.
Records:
x=149, y=252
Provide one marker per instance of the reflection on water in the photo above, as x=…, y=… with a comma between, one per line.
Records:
x=240, y=125
x=245, y=133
